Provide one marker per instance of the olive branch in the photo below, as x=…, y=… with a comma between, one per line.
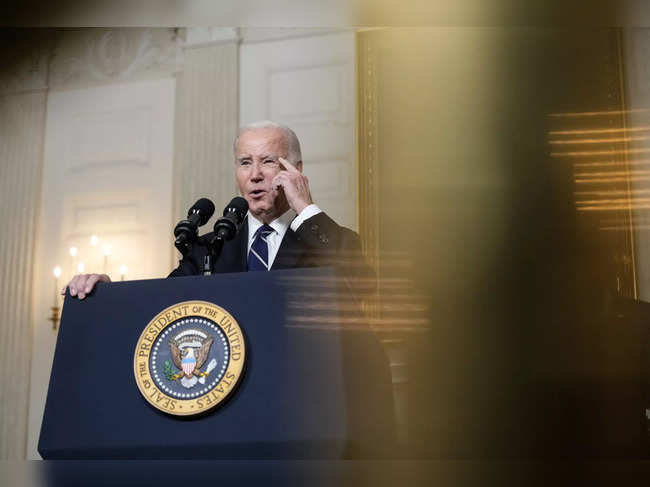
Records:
x=169, y=370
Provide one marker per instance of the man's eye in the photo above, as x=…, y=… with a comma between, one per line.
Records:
x=244, y=162
x=269, y=161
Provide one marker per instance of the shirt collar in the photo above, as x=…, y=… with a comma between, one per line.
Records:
x=280, y=224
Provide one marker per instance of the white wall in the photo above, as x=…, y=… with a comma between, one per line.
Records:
x=306, y=79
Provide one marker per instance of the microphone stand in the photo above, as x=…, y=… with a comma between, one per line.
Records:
x=214, y=251
x=183, y=247
x=224, y=229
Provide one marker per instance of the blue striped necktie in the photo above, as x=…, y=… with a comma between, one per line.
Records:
x=258, y=256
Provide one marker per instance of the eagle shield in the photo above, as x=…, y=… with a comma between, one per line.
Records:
x=189, y=351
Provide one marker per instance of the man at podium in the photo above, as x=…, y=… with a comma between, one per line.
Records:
x=319, y=364
x=283, y=229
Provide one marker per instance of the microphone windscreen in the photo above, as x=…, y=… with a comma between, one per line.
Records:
x=239, y=206
x=205, y=209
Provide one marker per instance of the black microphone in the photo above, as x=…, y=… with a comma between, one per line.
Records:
x=227, y=226
x=187, y=231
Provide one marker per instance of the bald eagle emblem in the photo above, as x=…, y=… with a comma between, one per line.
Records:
x=189, y=358
x=189, y=351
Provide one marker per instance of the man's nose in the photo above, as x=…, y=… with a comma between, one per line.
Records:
x=256, y=173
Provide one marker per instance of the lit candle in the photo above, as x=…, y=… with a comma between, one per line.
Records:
x=122, y=272
x=107, y=253
x=57, y=273
x=94, y=240
x=73, y=254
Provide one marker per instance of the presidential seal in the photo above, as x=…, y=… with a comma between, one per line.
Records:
x=189, y=358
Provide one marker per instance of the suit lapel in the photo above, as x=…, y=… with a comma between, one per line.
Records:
x=289, y=253
x=233, y=255
x=242, y=246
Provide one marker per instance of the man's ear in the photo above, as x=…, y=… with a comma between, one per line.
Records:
x=299, y=166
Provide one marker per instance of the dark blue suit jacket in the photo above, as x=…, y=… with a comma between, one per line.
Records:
x=318, y=242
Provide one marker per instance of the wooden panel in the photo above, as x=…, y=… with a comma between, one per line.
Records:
x=108, y=138
x=309, y=94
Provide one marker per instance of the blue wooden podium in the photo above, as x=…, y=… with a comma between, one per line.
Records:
x=311, y=388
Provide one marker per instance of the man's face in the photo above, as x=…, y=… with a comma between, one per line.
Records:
x=256, y=166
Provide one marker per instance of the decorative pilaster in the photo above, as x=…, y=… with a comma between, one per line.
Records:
x=22, y=122
x=391, y=338
x=368, y=140
x=206, y=120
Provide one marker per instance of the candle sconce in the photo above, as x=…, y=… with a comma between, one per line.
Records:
x=55, y=311
x=55, y=317
x=74, y=264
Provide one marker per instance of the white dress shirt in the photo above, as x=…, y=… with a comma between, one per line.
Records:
x=287, y=220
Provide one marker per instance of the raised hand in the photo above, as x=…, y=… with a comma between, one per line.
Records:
x=294, y=184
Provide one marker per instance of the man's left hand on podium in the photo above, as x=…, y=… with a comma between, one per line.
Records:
x=82, y=284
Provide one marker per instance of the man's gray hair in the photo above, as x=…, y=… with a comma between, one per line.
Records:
x=293, y=151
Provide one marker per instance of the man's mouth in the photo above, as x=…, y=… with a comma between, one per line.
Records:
x=257, y=193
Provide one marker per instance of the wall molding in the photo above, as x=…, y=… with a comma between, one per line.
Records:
x=198, y=37
x=27, y=75
x=110, y=55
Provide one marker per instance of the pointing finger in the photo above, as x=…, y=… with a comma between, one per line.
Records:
x=287, y=165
